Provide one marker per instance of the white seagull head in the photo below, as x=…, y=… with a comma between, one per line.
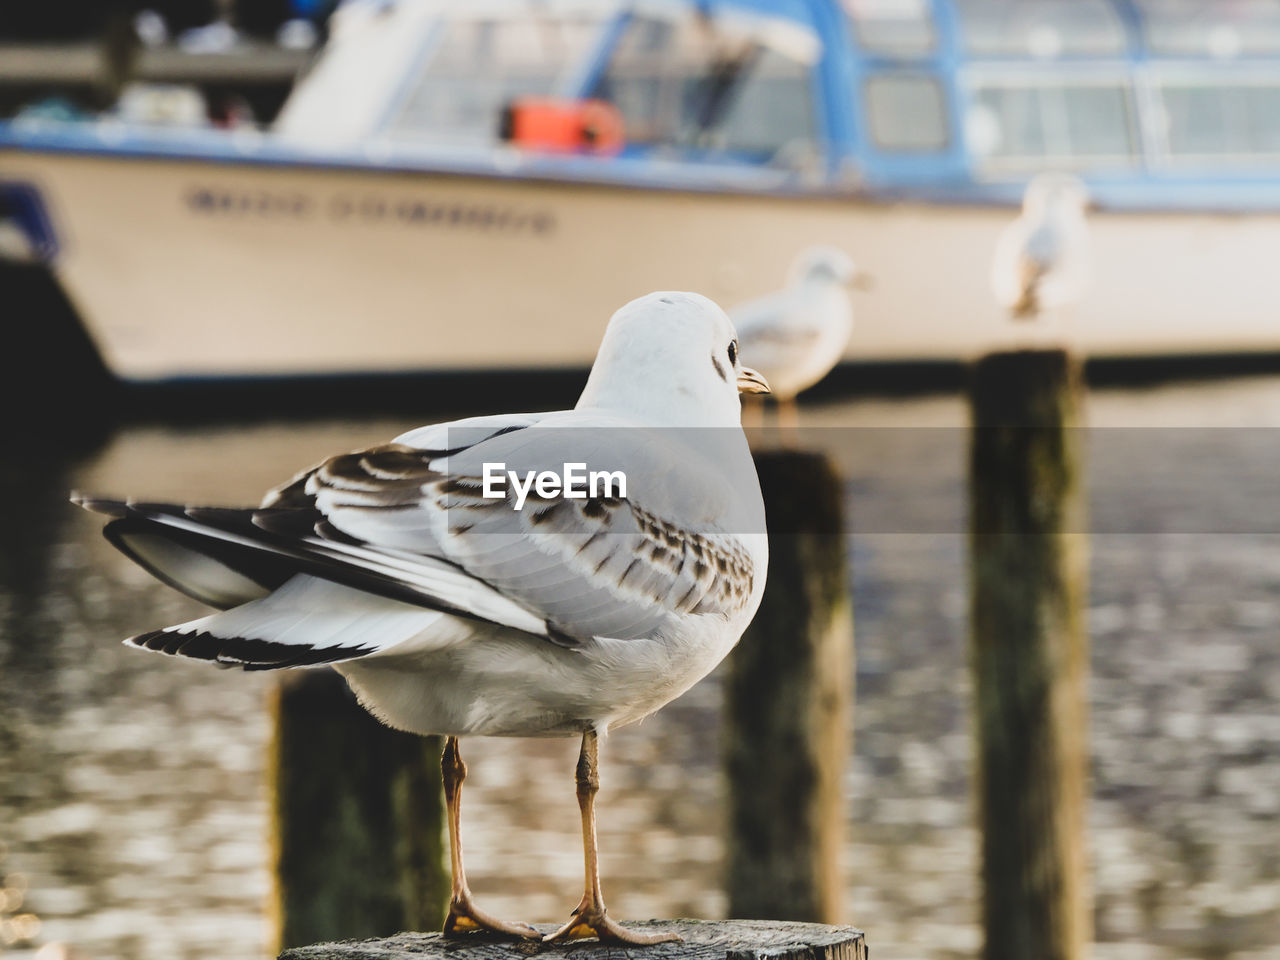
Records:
x=671, y=359
x=825, y=264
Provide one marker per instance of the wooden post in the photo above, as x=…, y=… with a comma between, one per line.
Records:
x=358, y=818
x=790, y=692
x=119, y=51
x=726, y=940
x=1028, y=556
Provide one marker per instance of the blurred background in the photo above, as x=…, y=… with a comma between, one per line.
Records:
x=237, y=237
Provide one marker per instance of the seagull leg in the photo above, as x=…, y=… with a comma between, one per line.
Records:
x=464, y=916
x=589, y=918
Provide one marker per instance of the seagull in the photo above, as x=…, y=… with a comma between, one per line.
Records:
x=1042, y=259
x=455, y=606
x=797, y=334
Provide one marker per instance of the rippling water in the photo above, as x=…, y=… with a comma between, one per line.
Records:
x=132, y=793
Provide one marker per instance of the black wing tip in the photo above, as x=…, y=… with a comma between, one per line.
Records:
x=248, y=653
x=102, y=505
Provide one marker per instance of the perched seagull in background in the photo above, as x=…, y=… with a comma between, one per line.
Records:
x=796, y=335
x=456, y=609
x=1042, y=259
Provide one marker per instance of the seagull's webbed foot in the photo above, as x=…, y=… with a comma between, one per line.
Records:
x=591, y=920
x=465, y=917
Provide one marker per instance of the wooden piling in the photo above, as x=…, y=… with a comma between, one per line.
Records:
x=119, y=48
x=725, y=940
x=789, y=697
x=1029, y=652
x=358, y=821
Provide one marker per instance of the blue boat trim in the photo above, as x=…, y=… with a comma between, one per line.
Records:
x=222, y=148
x=1123, y=190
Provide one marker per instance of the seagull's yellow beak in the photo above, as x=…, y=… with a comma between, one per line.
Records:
x=750, y=381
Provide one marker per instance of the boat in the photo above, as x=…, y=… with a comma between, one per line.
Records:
x=390, y=221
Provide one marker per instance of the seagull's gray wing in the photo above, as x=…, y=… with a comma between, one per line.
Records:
x=774, y=333
x=408, y=521
x=1044, y=245
x=600, y=566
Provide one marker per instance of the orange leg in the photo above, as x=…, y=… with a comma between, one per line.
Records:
x=589, y=919
x=464, y=916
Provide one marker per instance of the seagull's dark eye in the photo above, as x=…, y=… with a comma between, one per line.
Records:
x=733, y=352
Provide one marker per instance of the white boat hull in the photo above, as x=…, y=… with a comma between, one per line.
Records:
x=184, y=267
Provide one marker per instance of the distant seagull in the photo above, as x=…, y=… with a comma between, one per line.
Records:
x=1042, y=260
x=796, y=335
x=454, y=609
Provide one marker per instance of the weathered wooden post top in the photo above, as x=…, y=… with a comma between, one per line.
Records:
x=700, y=940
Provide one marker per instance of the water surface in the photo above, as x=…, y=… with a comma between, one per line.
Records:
x=132, y=791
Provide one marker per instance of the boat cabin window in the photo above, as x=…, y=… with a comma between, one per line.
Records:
x=686, y=83
x=906, y=112
x=1060, y=122
x=1043, y=29
x=772, y=111
x=1221, y=119
x=1194, y=28
x=892, y=28
x=476, y=66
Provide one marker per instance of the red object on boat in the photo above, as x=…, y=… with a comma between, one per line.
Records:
x=563, y=126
